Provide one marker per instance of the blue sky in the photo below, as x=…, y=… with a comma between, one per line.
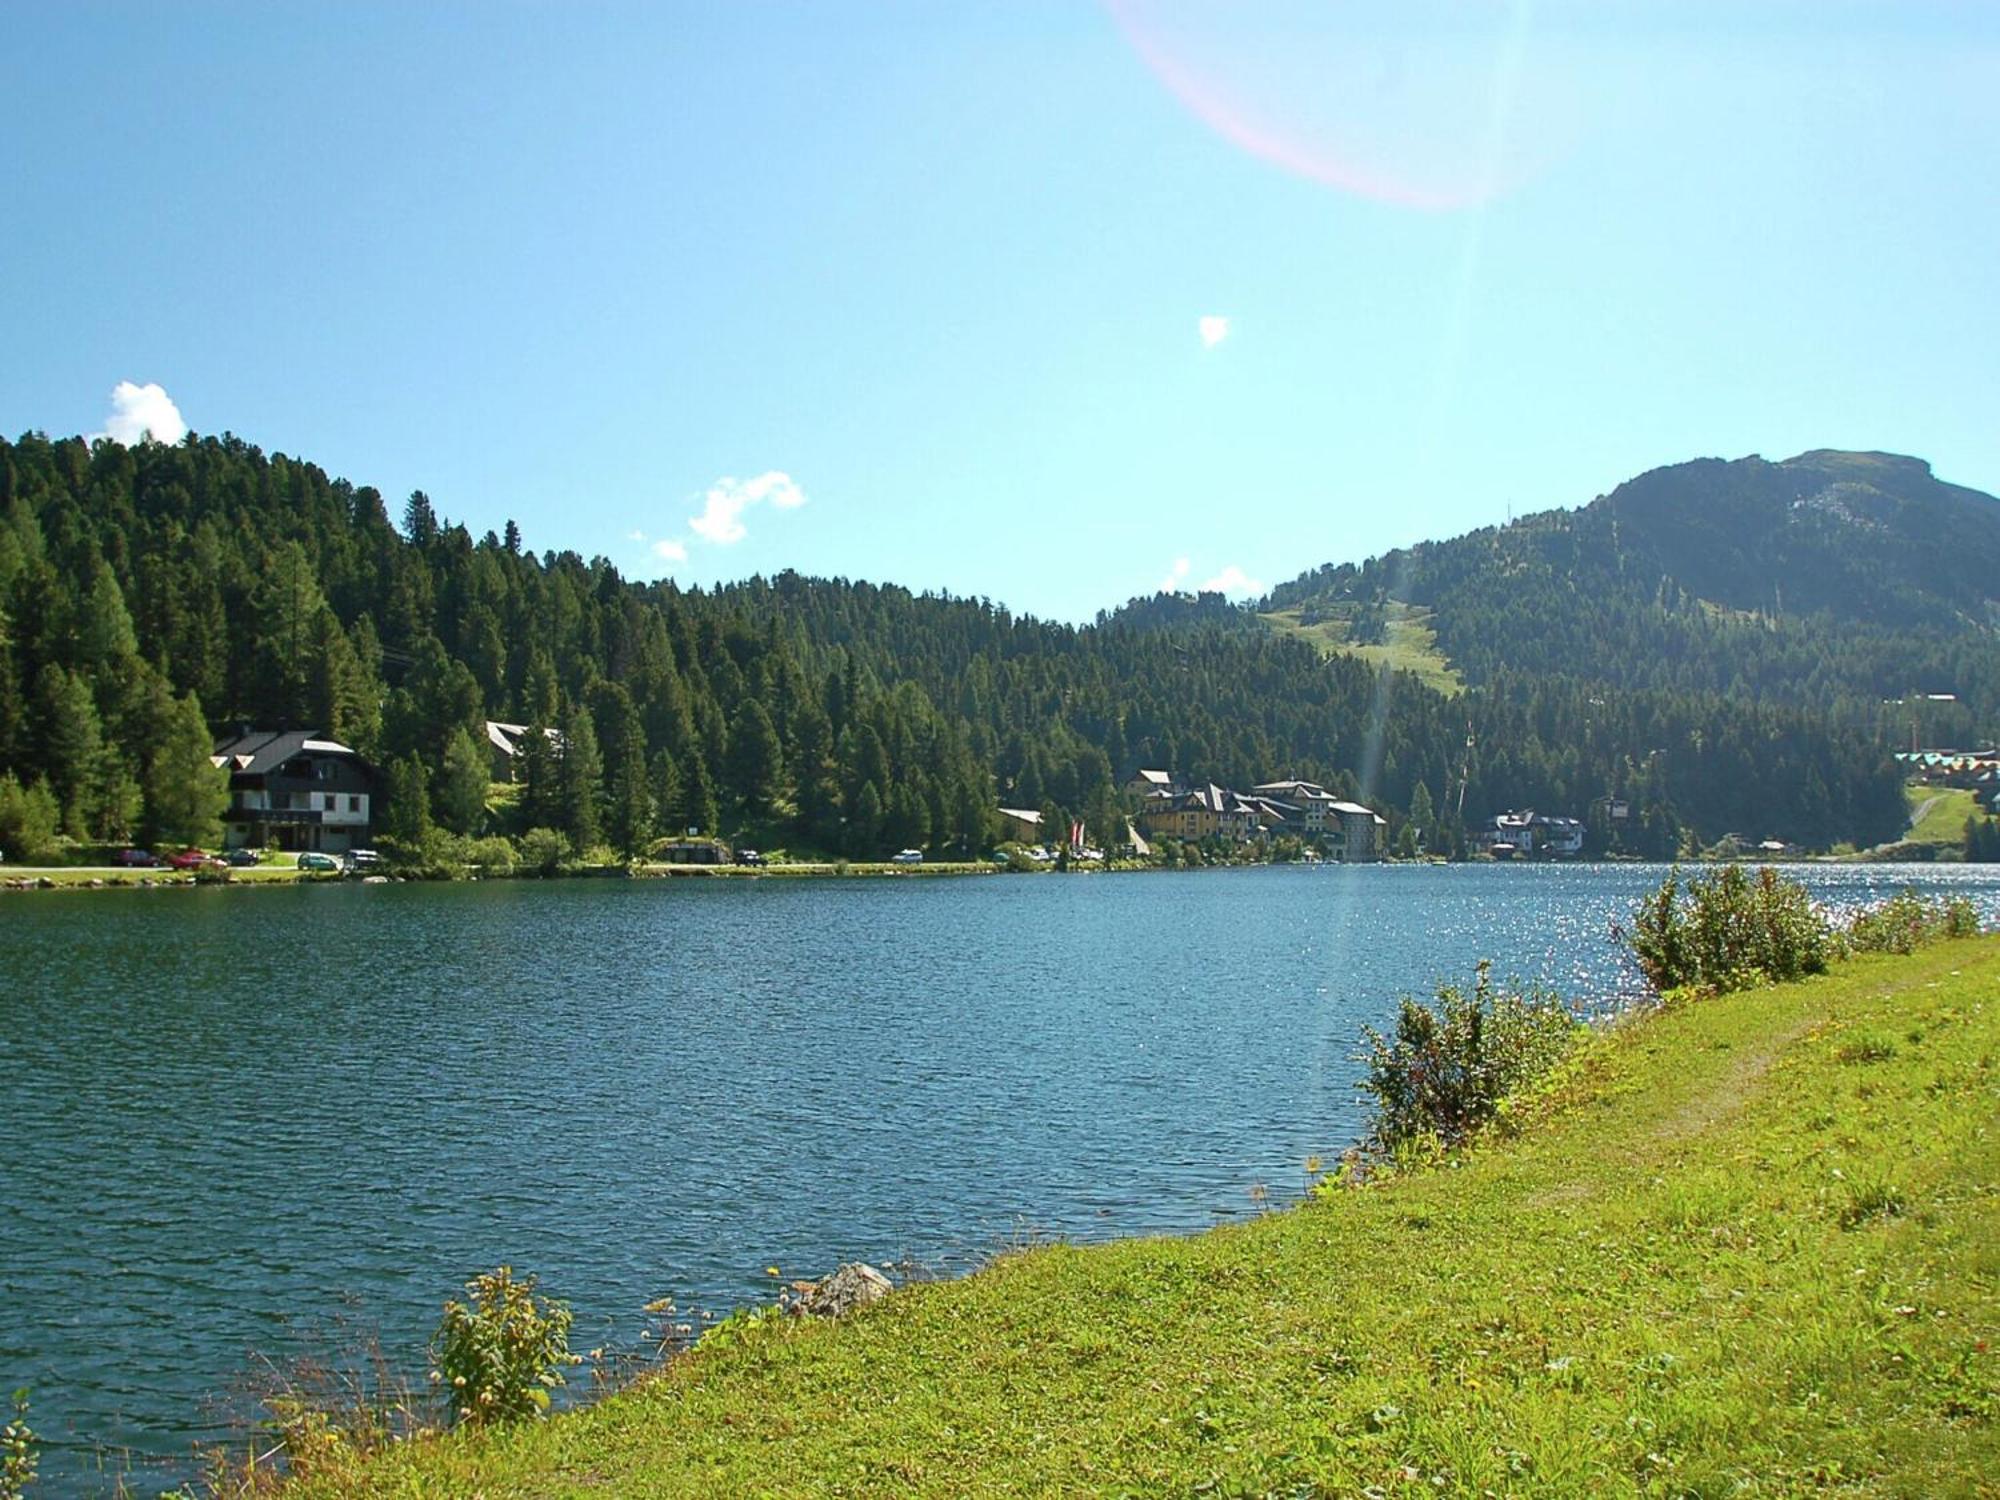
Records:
x=915, y=292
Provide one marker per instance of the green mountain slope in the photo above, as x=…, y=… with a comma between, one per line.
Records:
x=1830, y=578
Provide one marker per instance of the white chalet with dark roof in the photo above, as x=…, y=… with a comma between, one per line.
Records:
x=296, y=789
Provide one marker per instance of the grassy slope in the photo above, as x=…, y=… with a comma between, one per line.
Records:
x=1411, y=645
x=1749, y=1254
x=1938, y=814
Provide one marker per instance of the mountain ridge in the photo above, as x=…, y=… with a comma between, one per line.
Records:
x=1854, y=572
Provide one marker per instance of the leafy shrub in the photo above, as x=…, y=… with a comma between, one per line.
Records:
x=493, y=853
x=17, y=1452
x=544, y=849
x=1449, y=1065
x=29, y=819
x=1907, y=922
x=499, y=1354
x=1724, y=931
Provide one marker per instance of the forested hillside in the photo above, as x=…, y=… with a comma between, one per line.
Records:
x=153, y=595
x=1847, y=580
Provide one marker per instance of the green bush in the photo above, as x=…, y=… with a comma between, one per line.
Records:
x=1724, y=931
x=29, y=820
x=1450, y=1064
x=493, y=854
x=17, y=1452
x=499, y=1354
x=545, y=849
x=1907, y=922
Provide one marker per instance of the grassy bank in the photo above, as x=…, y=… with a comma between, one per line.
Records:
x=1753, y=1248
x=1937, y=816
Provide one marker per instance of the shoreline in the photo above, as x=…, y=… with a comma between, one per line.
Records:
x=1694, y=1084
x=22, y=879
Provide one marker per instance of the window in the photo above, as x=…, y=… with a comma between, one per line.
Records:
x=354, y=804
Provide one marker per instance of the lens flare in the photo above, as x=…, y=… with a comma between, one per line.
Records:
x=1388, y=102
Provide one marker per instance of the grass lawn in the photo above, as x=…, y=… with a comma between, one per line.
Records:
x=1753, y=1249
x=1938, y=814
x=1410, y=646
x=63, y=875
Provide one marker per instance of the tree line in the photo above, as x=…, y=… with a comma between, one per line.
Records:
x=156, y=596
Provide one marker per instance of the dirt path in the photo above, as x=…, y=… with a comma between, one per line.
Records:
x=1732, y=1090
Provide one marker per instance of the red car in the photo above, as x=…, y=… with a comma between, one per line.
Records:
x=192, y=859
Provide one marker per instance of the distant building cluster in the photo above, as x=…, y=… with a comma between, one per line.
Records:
x=1529, y=834
x=1168, y=809
x=1978, y=771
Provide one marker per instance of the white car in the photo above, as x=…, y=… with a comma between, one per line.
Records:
x=907, y=857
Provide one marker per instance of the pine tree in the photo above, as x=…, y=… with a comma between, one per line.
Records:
x=72, y=747
x=186, y=793
x=535, y=771
x=104, y=633
x=420, y=522
x=1423, y=817
x=698, y=809
x=630, y=814
x=666, y=783
x=864, y=824
x=407, y=814
x=460, y=795
x=579, y=781
x=756, y=761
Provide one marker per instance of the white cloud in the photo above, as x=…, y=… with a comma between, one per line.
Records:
x=139, y=412
x=721, y=518
x=635, y=535
x=1232, y=580
x=1213, y=329
x=1176, y=576
x=669, y=550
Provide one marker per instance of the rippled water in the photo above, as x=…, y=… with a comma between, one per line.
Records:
x=234, y=1115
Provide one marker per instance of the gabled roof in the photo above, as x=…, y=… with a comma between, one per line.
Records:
x=506, y=738
x=1305, y=791
x=1273, y=806
x=1021, y=815
x=262, y=750
x=1156, y=778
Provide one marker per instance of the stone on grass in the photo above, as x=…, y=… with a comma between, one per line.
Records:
x=850, y=1286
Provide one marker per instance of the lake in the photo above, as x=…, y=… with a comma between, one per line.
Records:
x=236, y=1119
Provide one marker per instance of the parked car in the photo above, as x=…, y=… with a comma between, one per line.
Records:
x=362, y=859
x=135, y=859
x=192, y=859
x=751, y=857
x=244, y=857
x=313, y=860
x=907, y=857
